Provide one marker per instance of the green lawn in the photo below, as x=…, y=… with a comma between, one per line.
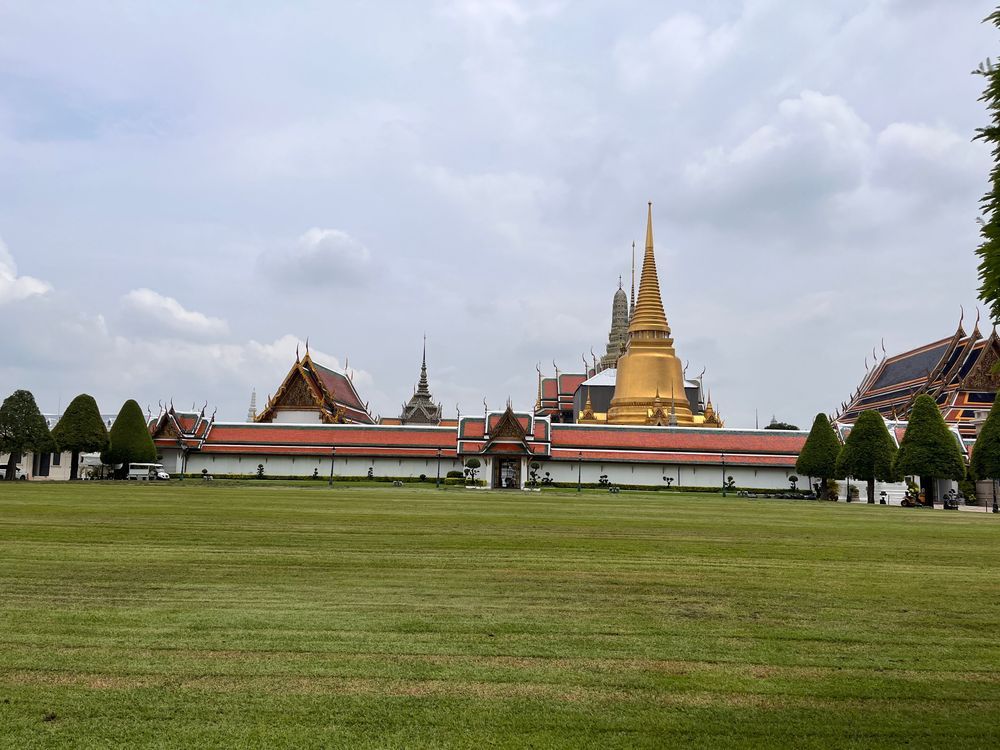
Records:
x=192, y=615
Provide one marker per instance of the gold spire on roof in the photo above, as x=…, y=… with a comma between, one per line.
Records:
x=649, y=315
x=650, y=365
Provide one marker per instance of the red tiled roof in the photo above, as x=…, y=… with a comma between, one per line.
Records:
x=326, y=436
x=472, y=427
x=339, y=387
x=524, y=420
x=549, y=389
x=541, y=429
x=569, y=382
x=313, y=450
x=186, y=421
x=667, y=439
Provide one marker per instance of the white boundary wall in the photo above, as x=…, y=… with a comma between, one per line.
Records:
x=643, y=474
x=304, y=466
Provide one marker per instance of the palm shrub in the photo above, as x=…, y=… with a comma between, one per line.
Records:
x=81, y=429
x=130, y=441
x=819, y=454
x=929, y=450
x=868, y=452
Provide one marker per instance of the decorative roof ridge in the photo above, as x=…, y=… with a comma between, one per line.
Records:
x=939, y=369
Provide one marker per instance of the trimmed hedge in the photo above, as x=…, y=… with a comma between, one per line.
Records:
x=321, y=479
x=660, y=488
x=460, y=481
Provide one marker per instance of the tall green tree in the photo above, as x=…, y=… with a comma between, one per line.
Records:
x=819, y=454
x=130, y=441
x=81, y=429
x=782, y=426
x=929, y=449
x=986, y=452
x=23, y=430
x=989, y=248
x=868, y=452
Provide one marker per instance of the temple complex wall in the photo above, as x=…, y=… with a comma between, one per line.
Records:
x=303, y=466
x=683, y=475
x=623, y=473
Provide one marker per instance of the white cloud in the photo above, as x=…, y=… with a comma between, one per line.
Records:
x=489, y=13
x=675, y=53
x=814, y=146
x=153, y=313
x=915, y=155
x=13, y=287
x=320, y=258
x=512, y=204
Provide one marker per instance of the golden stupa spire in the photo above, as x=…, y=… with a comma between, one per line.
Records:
x=649, y=315
x=649, y=365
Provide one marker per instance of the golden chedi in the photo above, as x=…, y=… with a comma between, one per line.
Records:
x=650, y=379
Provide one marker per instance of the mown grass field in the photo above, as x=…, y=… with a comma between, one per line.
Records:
x=261, y=616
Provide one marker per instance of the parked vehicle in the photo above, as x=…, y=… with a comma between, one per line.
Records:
x=147, y=472
x=19, y=472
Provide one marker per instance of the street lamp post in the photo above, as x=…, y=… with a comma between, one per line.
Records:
x=724, y=473
x=579, y=471
x=437, y=484
x=333, y=455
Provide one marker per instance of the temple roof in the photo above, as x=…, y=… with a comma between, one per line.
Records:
x=911, y=365
x=956, y=371
x=309, y=386
x=421, y=408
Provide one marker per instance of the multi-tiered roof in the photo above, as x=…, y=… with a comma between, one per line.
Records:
x=421, y=408
x=957, y=371
x=310, y=387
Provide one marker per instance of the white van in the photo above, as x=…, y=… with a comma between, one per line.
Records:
x=147, y=472
x=18, y=472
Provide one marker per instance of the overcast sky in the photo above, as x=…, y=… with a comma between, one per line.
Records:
x=187, y=189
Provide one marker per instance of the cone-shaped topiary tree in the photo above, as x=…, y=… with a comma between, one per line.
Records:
x=130, y=441
x=81, y=429
x=23, y=430
x=868, y=452
x=929, y=450
x=819, y=454
x=986, y=452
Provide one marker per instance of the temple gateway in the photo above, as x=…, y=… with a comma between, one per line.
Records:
x=634, y=418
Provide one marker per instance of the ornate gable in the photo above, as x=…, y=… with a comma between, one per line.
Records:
x=983, y=376
x=303, y=389
x=508, y=427
x=295, y=392
x=507, y=436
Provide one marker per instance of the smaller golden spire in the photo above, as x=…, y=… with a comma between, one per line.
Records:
x=587, y=415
